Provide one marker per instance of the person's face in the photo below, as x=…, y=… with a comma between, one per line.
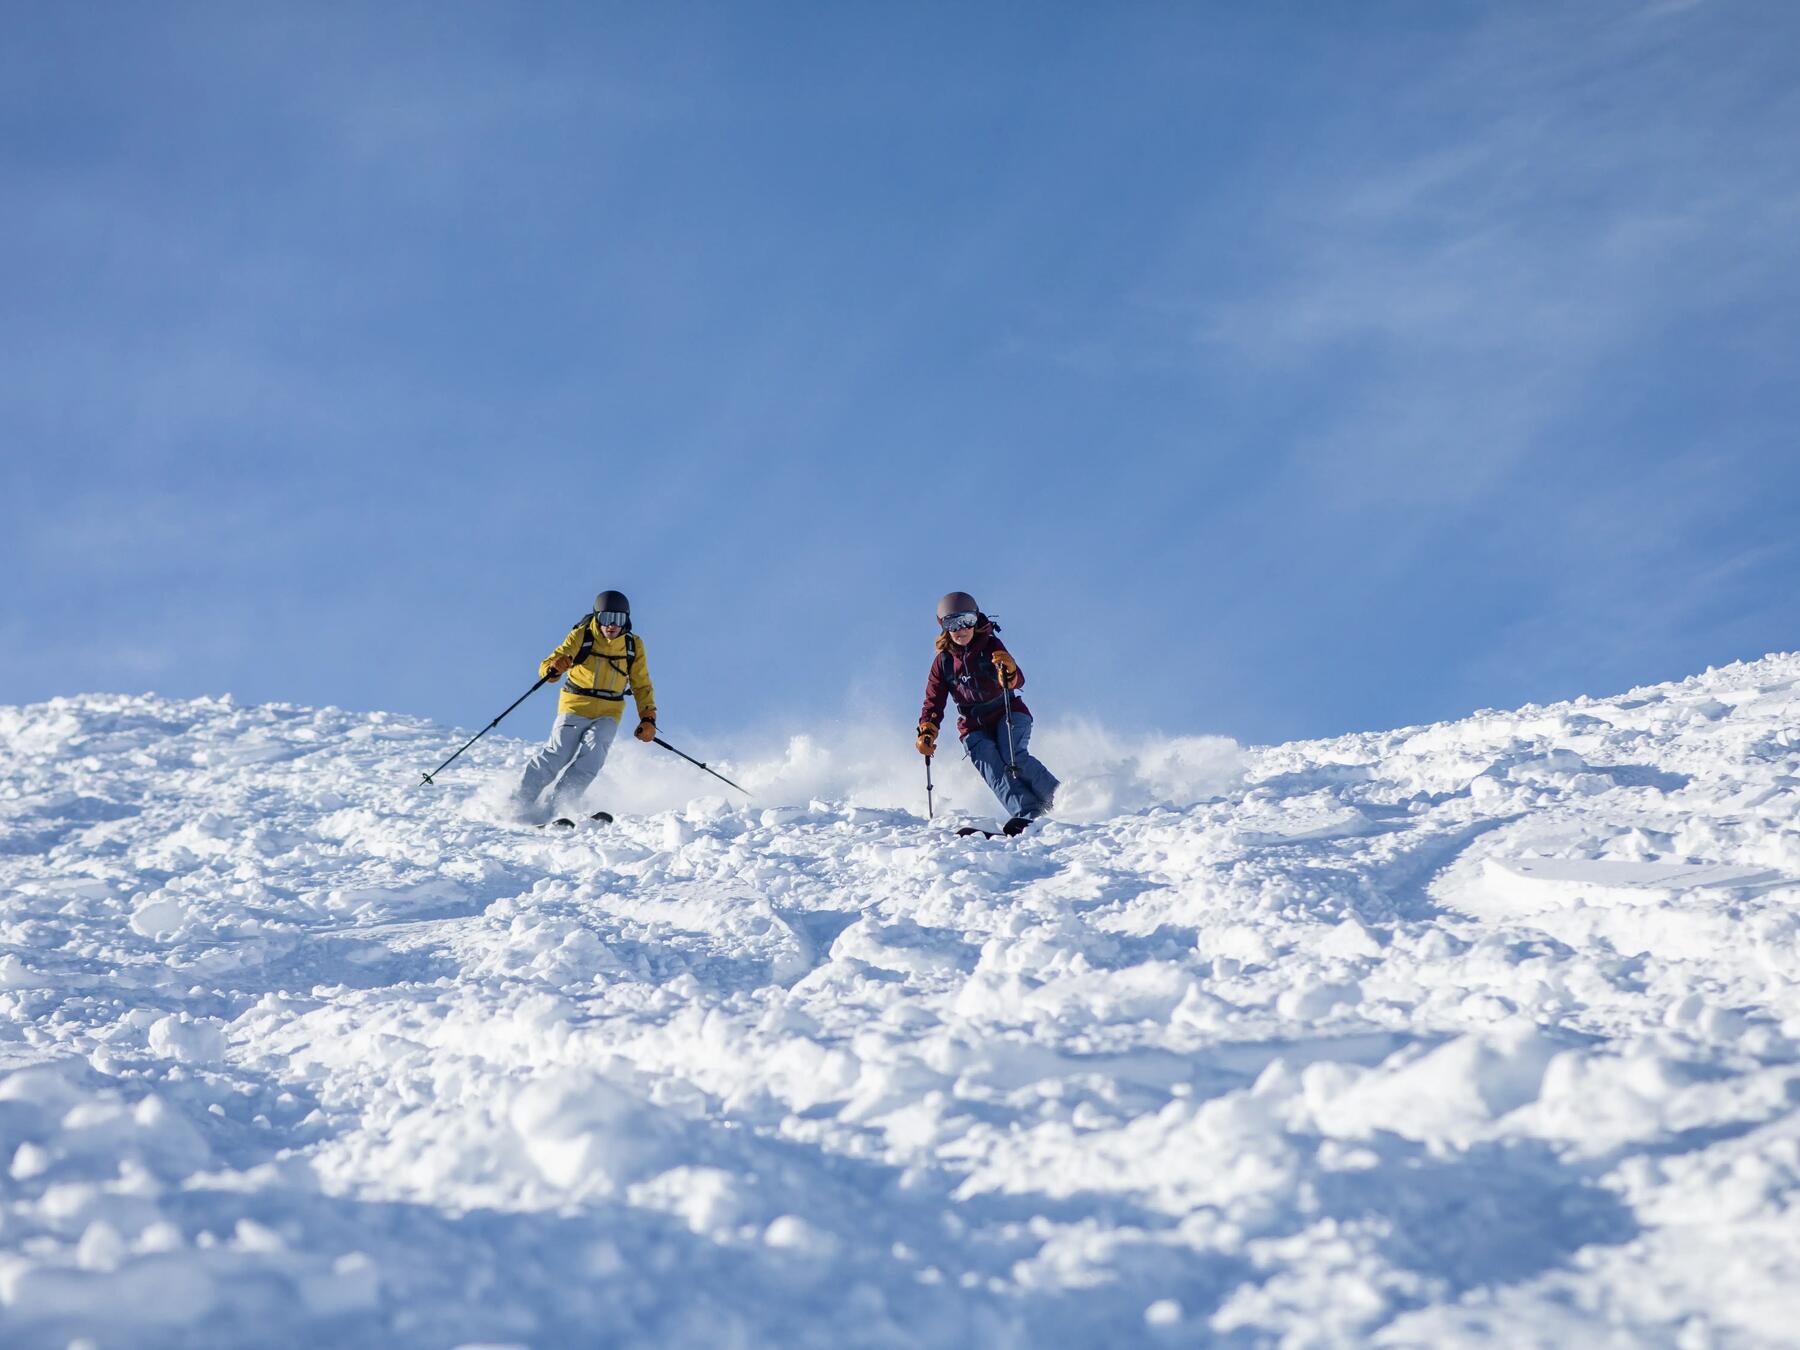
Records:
x=962, y=637
x=611, y=630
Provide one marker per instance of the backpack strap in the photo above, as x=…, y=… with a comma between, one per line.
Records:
x=587, y=651
x=973, y=713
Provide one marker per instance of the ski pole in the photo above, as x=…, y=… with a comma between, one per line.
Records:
x=1012, y=759
x=930, y=811
x=698, y=765
x=489, y=727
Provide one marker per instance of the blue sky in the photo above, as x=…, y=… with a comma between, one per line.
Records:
x=1273, y=370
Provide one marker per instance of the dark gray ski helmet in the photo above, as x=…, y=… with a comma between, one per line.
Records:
x=614, y=601
x=957, y=602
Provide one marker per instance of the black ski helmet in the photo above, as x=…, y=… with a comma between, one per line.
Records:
x=614, y=602
x=957, y=602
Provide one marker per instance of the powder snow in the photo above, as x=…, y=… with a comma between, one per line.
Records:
x=1474, y=1034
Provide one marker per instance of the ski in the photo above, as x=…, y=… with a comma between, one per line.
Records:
x=1014, y=827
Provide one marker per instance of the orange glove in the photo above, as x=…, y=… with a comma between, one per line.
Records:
x=927, y=741
x=554, y=666
x=1007, y=669
x=646, y=729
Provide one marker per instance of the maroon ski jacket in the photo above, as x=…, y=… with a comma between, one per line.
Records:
x=967, y=674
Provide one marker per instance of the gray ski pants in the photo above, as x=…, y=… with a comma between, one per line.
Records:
x=576, y=749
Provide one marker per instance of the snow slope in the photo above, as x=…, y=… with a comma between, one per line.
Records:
x=1481, y=1033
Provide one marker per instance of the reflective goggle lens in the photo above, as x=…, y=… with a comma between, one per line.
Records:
x=612, y=618
x=952, y=622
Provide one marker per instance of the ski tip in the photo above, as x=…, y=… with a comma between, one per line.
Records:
x=569, y=822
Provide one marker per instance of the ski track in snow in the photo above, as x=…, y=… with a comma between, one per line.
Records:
x=1479, y=1033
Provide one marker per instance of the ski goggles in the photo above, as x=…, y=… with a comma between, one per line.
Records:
x=952, y=623
x=612, y=618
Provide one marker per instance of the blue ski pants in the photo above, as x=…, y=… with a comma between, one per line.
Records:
x=1031, y=793
x=576, y=749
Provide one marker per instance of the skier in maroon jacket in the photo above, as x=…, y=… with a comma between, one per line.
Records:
x=973, y=666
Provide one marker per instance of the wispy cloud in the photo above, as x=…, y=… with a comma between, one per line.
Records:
x=1578, y=186
x=1507, y=324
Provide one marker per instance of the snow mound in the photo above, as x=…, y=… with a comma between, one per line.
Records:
x=1476, y=1033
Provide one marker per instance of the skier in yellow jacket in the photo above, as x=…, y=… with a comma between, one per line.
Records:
x=603, y=661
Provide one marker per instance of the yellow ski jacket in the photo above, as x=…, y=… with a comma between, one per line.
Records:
x=597, y=687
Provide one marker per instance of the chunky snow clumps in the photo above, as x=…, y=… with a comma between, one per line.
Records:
x=1481, y=1033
